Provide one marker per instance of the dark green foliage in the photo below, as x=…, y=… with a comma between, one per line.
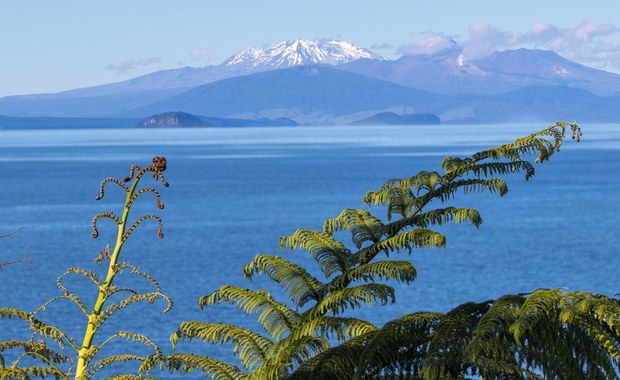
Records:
x=548, y=334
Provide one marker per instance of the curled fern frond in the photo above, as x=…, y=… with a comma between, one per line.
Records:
x=141, y=219
x=108, y=215
x=110, y=180
x=158, y=202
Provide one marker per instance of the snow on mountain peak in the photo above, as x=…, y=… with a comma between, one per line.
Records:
x=300, y=52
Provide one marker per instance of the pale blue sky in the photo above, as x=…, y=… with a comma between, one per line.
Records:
x=50, y=46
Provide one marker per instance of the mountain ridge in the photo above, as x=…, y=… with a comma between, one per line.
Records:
x=345, y=83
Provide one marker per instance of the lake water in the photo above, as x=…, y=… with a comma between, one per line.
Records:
x=234, y=192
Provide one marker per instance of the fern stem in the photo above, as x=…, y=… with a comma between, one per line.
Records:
x=92, y=327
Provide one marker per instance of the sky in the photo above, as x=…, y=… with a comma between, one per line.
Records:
x=51, y=46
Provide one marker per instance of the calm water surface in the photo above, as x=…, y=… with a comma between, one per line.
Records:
x=234, y=192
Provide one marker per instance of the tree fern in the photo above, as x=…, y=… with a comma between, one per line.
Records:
x=354, y=278
x=493, y=340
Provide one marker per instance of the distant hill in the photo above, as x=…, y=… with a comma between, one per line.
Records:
x=452, y=73
x=390, y=118
x=171, y=119
x=10, y=122
x=297, y=91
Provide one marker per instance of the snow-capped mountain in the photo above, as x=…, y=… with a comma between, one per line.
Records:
x=299, y=52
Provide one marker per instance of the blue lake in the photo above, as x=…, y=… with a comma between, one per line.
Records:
x=234, y=192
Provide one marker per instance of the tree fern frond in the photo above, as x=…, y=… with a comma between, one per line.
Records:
x=38, y=349
x=30, y=372
x=79, y=272
x=445, y=357
x=68, y=296
x=333, y=327
x=102, y=363
x=363, y=226
x=300, y=285
x=213, y=368
x=331, y=255
x=399, y=270
x=251, y=347
x=275, y=317
x=539, y=305
x=353, y=298
x=131, y=299
x=417, y=238
x=399, y=347
x=285, y=353
x=441, y=216
x=11, y=313
x=337, y=363
x=129, y=376
x=138, y=272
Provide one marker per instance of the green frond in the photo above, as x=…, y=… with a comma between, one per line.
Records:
x=417, y=238
x=215, y=369
x=11, y=313
x=285, y=353
x=275, y=317
x=468, y=186
x=129, y=377
x=79, y=272
x=300, y=285
x=399, y=270
x=352, y=298
x=423, y=180
x=30, y=372
x=399, y=347
x=486, y=169
x=251, y=347
x=445, y=357
x=131, y=299
x=37, y=350
x=102, y=363
x=541, y=304
x=442, y=216
x=331, y=255
x=138, y=272
x=337, y=363
x=544, y=143
x=333, y=327
x=363, y=226
x=67, y=296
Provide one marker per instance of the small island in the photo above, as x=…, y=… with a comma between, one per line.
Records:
x=390, y=118
x=173, y=120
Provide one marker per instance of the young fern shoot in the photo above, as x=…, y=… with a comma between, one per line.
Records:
x=59, y=364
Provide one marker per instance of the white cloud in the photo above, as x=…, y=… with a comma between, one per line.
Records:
x=121, y=67
x=430, y=45
x=199, y=54
x=592, y=43
x=382, y=46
